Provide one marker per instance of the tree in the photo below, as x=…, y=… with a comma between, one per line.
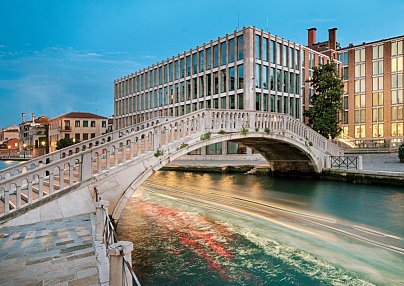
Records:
x=326, y=103
x=63, y=143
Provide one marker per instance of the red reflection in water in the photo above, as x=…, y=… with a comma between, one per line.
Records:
x=195, y=232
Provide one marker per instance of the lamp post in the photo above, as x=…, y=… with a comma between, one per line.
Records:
x=43, y=145
x=9, y=148
x=24, y=146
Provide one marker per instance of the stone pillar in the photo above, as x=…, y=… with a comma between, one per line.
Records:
x=360, y=163
x=86, y=166
x=100, y=221
x=327, y=159
x=117, y=275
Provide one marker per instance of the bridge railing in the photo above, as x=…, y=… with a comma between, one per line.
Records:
x=131, y=144
x=77, y=148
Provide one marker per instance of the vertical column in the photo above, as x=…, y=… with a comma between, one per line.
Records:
x=7, y=200
x=29, y=191
x=131, y=153
x=117, y=252
x=71, y=175
x=116, y=156
x=249, y=67
x=99, y=162
x=108, y=159
x=86, y=169
x=101, y=211
x=61, y=178
x=40, y=186
x=51, y=183
x=18, y=194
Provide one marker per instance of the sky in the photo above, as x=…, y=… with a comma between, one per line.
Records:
x=62, y=56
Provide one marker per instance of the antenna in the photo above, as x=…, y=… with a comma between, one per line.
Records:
x=267, y=25
x=238, y=21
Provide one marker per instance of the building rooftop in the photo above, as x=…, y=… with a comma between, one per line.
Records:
x=79, y=115
x=350, y=46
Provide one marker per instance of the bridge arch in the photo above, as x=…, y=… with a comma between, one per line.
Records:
x=283, y=153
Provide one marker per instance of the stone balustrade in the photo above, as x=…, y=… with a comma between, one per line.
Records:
x=24, y=184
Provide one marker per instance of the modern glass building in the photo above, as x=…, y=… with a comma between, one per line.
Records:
x=249, y=69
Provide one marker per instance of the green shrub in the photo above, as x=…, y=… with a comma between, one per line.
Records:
x=267, y=130
x=206, y=135
x=158, y=153
x=222, y=132
x=401, y=153
x=256, y=129
x=244, y=131
x=183, y=145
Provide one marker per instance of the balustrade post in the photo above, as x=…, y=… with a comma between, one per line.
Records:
x=18, y=194
x=131, y=153
x=117, y=252
x=86, y=166
x=61, y=179
x=108, y=159
x=101, y=207
x=360, y=163
x=6, y=200
x=252, y=119
x=156, y=137
x=29, y=186
x=71, y=175
x=51, y=183
x=116, y=157
x=40, y=187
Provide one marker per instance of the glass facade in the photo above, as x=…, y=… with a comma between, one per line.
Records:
x=214, y=76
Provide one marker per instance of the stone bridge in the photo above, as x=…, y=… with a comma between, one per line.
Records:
x=61, y=184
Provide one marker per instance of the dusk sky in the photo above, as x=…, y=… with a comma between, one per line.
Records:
x=62, y=56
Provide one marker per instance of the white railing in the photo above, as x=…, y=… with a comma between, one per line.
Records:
x=78, y=163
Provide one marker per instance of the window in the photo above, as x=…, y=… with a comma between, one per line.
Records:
x=258, y=47
x=215, y=56
x=360, y=55
x=240, y=74
x=265, y=77
x=201, y=87
x=182, y=67
x=77, y=123
x=85, y=136
x=240, y=100
x=257, y=101
x=77, y=137
x=232, y=78
x=359, y=70
x=223, y=53
x=188, y=65
x=92, y=135
x=377, y=83
x=377, y=67
x=240, y=45
x=265, y=49
x=397, y=96
x=208, y=58
x=258, y=76
x=92, y=123
x=359, y=131
x=214, y=149
x=195, y=63
x=231, y=50
x=397, y=80
x=397, y=64
x=396, y=48
x=202, y=61
x=378, y=52
x=223, y=81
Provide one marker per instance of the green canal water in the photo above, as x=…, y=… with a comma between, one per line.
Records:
x=234, y=229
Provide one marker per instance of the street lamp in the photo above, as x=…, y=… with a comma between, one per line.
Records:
x=43, y=145
x=24, y=146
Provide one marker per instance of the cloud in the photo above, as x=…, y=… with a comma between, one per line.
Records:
x=58, y=80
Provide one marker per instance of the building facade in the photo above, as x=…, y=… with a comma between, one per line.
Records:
x=33, y=136
x=79, y=126
x=249, y=69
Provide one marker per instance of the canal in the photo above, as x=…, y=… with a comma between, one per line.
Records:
x=235, y=229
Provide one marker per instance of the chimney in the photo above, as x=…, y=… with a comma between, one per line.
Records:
x=332, y=38
x=33, y=118
x=311, y=36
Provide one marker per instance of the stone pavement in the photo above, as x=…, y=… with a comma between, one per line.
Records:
x=58, y=252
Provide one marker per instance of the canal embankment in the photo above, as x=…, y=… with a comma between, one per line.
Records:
x=380, y=168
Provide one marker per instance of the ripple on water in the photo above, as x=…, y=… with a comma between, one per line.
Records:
x=176, y=247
